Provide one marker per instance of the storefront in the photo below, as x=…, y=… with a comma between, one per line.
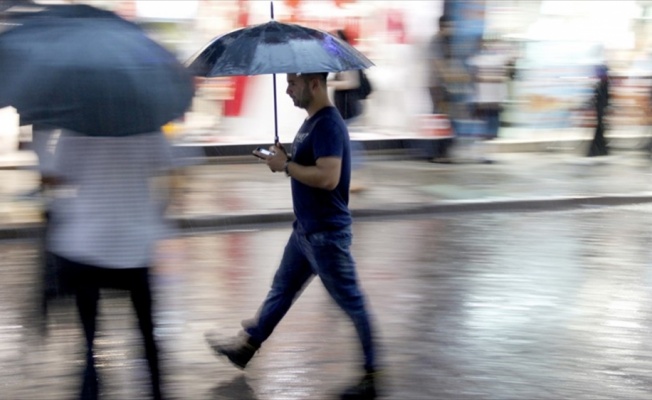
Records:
x=558, y=46
x=240, y=109
x=391, y=33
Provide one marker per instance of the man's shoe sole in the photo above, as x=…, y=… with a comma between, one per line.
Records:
x=225, y=355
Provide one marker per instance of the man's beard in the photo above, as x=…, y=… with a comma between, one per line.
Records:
x=304, y=100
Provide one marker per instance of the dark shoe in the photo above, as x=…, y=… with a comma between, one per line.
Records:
x=364, y=390
x=441, y=160
x=238, y=350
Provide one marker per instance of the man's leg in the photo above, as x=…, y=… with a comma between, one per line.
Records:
x=85, y=282
x=141, y=298
x=289, y=281
x=336, y=268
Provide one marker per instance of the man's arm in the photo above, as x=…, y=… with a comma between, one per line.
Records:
x=324, y=175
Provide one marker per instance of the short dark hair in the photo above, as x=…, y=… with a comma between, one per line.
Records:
x=322, y=76
x=342, y=35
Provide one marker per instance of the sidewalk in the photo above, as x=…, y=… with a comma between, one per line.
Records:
x=245, y=194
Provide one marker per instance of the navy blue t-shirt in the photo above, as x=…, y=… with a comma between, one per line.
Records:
x=322, y=135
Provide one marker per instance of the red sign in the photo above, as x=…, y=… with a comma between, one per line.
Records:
x=233, y=107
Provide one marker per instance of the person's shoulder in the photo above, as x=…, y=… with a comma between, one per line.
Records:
x=329, y=119
x=330, y=115
x=326, y=114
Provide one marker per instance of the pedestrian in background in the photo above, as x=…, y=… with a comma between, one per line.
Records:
x=320, y=170
x=439, y=54
x=648, y=116
x=598, y=146
x=490, y=76
x=104, y=224
x=346, y=97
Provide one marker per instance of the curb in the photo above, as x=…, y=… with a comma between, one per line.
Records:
x=257, y=221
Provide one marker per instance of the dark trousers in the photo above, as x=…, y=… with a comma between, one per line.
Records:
x=86, y=281
x=491, y=120
x=598, y=145
x=439, y=99
x=327, y=255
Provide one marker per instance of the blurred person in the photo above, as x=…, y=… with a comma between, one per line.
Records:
x=439, y=52
x=490, y=76
x=43, y=144
x=320, y=170
x=104, y=224
x=436, y=50
x=459, y=94
x=346, y=97
x=598, y=146
x=647, y=147
x=44, y=140
x=490, y=81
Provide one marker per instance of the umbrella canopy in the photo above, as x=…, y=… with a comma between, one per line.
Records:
x=274, y=48
x=90, y=71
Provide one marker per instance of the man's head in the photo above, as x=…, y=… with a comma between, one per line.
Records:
x=342, y=35
x=307, y=90
x=445, y=24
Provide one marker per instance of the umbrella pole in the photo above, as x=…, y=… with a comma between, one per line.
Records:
x=276, y=141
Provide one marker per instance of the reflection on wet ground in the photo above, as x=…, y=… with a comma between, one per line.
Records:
x=550, y=305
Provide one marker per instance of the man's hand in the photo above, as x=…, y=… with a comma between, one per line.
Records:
x=276, y=163
x=280, y=147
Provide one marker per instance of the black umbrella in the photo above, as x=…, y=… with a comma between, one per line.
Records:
x=274, y=48
x=90, y=71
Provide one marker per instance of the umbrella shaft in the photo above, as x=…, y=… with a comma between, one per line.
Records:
x=275, y=111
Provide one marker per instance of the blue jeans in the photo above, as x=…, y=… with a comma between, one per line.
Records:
x=327, y=255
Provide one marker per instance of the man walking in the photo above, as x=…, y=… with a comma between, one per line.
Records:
x=598, y=146
x=320, y=170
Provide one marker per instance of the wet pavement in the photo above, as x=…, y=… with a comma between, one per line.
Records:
x=505, y=304
x=485, y=305
x=225, y=195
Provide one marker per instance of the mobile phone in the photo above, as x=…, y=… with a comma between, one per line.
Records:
x=261, y=151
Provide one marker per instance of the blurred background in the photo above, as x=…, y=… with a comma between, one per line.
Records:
x=549, y=48
x=525, y=279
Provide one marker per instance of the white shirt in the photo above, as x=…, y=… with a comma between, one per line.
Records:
x=105, y=213
x=491, y=83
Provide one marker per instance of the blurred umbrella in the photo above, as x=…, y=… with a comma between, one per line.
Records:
x=275, y=48
x=90, y=71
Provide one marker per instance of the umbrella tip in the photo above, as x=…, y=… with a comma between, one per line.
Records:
x=271, y=9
